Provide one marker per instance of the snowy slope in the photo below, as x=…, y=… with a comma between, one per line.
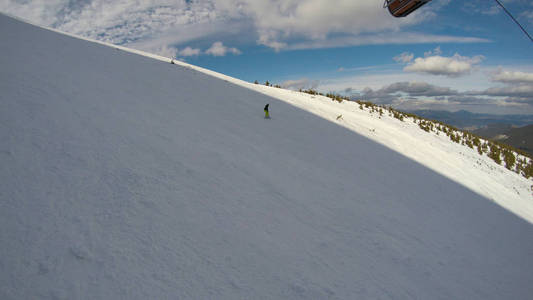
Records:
x=459, y=163
x=127, y=177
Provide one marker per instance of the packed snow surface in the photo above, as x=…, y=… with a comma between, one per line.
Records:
x=127, y=177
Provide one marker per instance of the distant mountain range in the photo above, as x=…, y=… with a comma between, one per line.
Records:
x=514, y=130
x=471, y=121
x=518, y=137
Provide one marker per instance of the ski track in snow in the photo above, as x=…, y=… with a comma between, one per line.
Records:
x=125, y=178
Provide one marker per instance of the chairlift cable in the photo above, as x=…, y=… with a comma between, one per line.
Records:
x=517, y=23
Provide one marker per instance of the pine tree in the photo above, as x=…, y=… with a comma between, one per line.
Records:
x=509, y=158
x=495, y=153
x=528, y=169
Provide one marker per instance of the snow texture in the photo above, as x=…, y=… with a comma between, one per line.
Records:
x=127, y=177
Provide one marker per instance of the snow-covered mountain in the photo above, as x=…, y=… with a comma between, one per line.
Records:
x=123, y=176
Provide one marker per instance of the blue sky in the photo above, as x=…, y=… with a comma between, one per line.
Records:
x=448, y=55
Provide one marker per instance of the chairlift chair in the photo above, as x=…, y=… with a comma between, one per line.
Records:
x=402, y=8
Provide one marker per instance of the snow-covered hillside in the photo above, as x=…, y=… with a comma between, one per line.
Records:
x=127, y=177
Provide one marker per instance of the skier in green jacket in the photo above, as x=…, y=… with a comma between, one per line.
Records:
x=267, y=116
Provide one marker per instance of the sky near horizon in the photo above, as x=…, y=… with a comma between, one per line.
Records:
x=449, y=55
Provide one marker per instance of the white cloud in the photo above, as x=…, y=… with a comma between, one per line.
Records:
x=281, y=25
x=388, y=38
x=517, y=85
x=512, y=77
x=415, y=89
x=481, y=7
x=454, y=66
x=277, y=22
x=417, y=95
x=218, y=49
x=412, y=91
x=166, y=51
x=521, y=91
x=119, y=21
x=418, y=90
x=436, y=51
x=188, y=51
x=40, y=12
x=440, y=4
x=404, y=58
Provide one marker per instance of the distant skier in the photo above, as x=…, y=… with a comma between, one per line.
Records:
x=267, y=116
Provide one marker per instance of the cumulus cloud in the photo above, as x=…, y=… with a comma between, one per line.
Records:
x=416, y=89
x=514, y=77
x=413, y=93
x=317, y=23
x=218, y=49
x=166, y=51
x=454, y=66
x=278, y=21
x=516, y=91
x=379, y=96
x=188, y=51
x=405, y=90
x=517, y=86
